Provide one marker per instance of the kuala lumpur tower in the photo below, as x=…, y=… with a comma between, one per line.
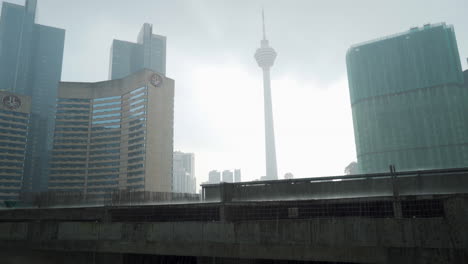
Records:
x=265, y=56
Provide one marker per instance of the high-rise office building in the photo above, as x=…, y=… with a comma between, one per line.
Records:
x=31, y=64
x=114, y=135
x=265, y=57
x=148, y=53
x=183, y=173
x=214, y=176
x=228, y=176
x=465, y=74
x=237, y=175
x=408, y=101
x=14, y=121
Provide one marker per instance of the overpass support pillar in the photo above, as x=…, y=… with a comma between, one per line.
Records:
x=225, y=191
x=397, y=208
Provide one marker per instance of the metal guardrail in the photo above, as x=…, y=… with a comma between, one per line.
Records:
x=349, y=177
x=116, y=198
x=392, y=183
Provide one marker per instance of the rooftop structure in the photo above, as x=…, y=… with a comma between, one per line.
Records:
x=149, y=52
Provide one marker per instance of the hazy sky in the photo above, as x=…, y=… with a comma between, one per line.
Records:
x=219, y=100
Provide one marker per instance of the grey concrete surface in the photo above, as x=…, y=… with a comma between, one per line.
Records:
x=433, y=239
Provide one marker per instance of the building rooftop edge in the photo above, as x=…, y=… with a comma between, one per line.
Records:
x=127, y=41
x=57, y=28
x=116, y=80
x=23, y=6
x=396, y=35
x=12, y=4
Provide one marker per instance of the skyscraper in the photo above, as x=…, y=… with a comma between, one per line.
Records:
x=408, y=101
x=183, y=173
x=265, y=56
x=114, y=135
x=228, y=176
x=149, y=52
x=31, y=64
x=214, y=176
x=14, y=122
x=237, y=175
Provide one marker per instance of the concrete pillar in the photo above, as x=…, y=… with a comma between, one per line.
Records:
x=397, y=209
x=225, y=191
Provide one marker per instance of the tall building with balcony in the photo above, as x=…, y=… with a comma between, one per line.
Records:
x=183, y=173
x=148, y=52
x=15, y=113
x=31, y=64
x=408, y=101
x=114, y=135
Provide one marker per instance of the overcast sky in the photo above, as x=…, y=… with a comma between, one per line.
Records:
x=219, y=100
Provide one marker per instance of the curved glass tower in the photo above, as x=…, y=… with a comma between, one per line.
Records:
x=114, y=135
x=408, y=101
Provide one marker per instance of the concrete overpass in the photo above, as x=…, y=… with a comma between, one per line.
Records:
x=421, y=228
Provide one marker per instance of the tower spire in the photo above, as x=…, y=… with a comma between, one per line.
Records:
x=263, y=24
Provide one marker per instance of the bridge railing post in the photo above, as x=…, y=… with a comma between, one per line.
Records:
x=396, y=195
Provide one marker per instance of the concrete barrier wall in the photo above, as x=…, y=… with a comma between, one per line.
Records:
x=441, y=239
x=348, y=239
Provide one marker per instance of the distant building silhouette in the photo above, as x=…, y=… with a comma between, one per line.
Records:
x=237, y=175
x=351, y=169
x=183, y=173
x=214, y=176
x=228, y=176
x=408, y=101
x=31, y=64
x=149, y=52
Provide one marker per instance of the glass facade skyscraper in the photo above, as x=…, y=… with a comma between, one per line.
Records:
x=409, y=102
x=31, y=64
x=148, y=53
